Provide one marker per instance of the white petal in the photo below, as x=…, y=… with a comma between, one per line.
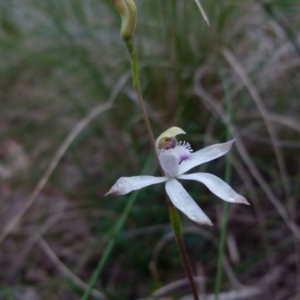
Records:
x=217, y=186
x=125, y=185
x=185, y=203
x=204, y=155
x=169, y=163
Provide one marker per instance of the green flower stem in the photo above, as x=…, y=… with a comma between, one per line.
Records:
x=136, y=84
x=225, y=204
x=175, y=221
x=221, y=250
x=173, y=212
x=114, y=235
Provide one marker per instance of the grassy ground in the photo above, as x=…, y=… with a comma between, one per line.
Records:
x=61, y=62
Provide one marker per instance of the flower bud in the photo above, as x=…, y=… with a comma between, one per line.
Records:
x=127, y=11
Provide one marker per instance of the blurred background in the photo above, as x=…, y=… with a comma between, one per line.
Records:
x=70, y=126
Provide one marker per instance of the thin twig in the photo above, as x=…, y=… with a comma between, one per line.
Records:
x=53, y=164
x=216, y=109
x=65, y=271
x=259, y=103
x=202, y=11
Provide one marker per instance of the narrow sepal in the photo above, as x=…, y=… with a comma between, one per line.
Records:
x=125, y=185
x=217, y=186
x=185, y=203
x=204, y=155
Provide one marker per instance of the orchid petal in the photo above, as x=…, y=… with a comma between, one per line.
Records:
x=204, y=155
x=217, y=186
x=185, y=203
x=125, y=185
x=169, y=163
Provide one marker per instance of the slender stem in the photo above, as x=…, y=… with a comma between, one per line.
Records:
x=175, y=221
x=221, y=250
x=109, y=247
x=173, y=212
x=225, y=204
x=136, y=85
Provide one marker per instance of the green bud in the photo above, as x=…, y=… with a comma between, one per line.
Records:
x=127, y=11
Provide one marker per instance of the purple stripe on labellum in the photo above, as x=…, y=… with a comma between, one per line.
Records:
x=182, y=152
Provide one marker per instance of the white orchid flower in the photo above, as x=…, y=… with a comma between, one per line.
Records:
x=176, y=159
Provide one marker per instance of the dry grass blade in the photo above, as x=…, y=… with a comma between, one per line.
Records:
x=281, y=120
x=213, y=106
x=259, y=178
x=174, y=285
x=32, y=240
x=259, y=103
x=65, y=271
x=204, y=15
x=244, y=293
x=53, y=164
x=199, y=231
x=287, y=121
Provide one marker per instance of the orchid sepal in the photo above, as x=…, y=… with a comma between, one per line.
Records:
x=185, y=203
x=217, y=186
x=205, y=155
x=125, y=185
